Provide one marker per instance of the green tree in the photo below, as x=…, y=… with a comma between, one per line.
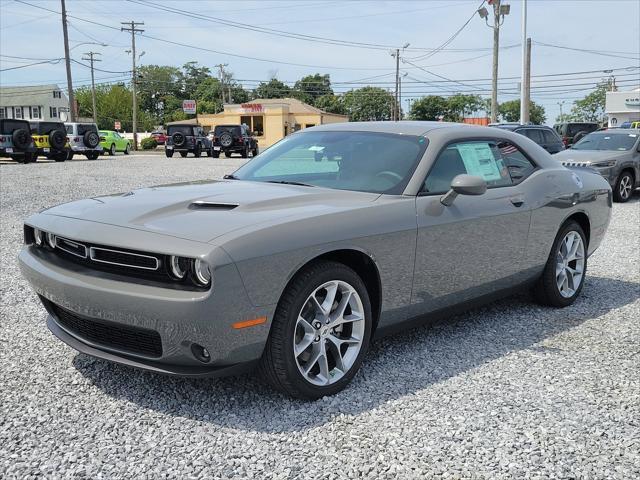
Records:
x=330, y=103
x=368, y=104
x=192, y=76
x=591, y=107
x=510, y=112
x=274, y=88
x=308, y=89
x=431, y=107
x=565, y=117
x=461, y=105
x=155, y=84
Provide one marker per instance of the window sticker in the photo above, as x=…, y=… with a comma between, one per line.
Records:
x=479, y=160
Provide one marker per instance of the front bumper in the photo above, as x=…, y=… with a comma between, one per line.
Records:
x=181, y=318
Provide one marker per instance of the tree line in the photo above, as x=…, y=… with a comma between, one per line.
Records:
x=161, y=90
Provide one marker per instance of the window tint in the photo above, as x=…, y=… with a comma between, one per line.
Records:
x=83, y=128
x=550, y=136
x=482, y=158
x=184, y=129
x=532, y=133
x=518, y=165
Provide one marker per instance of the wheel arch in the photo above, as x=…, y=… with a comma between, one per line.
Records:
x=583, y=220
x=361, y=263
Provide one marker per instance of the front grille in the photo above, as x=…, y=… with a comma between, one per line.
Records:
x=140, y=341
x=124, y=259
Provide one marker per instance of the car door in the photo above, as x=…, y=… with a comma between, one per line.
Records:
x=476, y=245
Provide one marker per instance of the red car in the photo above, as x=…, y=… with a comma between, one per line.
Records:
x=160, y=137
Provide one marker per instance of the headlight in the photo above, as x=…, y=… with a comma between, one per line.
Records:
x=604, y=163
x=178, y=266
x=201, y=273
x=51, y=240
x=37, y=237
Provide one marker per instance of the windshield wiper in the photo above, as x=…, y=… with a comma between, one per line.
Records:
x=230, y=177
x=286, y=182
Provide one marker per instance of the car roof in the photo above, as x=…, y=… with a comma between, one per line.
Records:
x=404, y=127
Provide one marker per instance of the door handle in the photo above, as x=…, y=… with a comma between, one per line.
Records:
x=517, y=201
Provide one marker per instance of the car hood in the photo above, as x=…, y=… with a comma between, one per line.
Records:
x=202, y=211
x=588, y=155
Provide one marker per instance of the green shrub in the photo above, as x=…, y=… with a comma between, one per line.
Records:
x=148, y=143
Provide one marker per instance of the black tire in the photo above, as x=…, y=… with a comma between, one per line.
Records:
x=92, y=155
x=60, y=156
x=70, y=155
x=197, y=151
x=216, y=154
x=278, y=365
x=91, y=139
x=112, y=150
x=57, y=139
x=178, y=139
x=210, y=152
x=127, y=149
x=183, y=154
x=226, y=139
x=30, y=157
x=228, y=154
x=21, y=138
x=244, y=153
x=168, y=153
x=255, y=151
x=546, y=289
x=626, y=180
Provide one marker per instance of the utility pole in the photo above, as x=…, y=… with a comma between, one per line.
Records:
x=395, y=106
x=526, y=98
x=67, y=60
x=524, y=117
x=91, y=58
x=221, y=77
x=132, y=27
x=560, y=104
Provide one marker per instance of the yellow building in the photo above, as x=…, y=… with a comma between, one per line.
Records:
x=270, y=119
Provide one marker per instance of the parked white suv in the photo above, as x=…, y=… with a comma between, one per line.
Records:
x=84, y=139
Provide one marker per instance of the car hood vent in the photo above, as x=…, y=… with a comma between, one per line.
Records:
x=205, y=205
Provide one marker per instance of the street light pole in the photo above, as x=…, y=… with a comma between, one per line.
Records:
x=494, y=71
x=67, y=61
x=92, y=59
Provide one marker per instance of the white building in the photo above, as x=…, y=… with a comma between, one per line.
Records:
x=623, y=107
x=36, y=102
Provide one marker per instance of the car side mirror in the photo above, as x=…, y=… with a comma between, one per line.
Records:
x=464, y=185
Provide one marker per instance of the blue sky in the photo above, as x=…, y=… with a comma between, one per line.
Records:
x=610, y=29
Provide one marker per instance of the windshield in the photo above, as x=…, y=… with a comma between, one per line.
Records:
x=606, y=141
x=361, y=161
x=574, y=128
x=184, y=129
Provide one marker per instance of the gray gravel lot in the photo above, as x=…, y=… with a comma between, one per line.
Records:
x=511, y=390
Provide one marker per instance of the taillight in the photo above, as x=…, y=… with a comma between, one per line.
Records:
x=76, y=139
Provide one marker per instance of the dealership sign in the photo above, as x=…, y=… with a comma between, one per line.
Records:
x=252, y=107
x=189, y=106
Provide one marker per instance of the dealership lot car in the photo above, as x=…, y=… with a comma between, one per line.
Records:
x=186, y=139
x=232, y=139
x=336, y=233
x=50, y=139
x=16, y=141
x=84, y=139
x=615, y=154
x=544, y=136
x=112, y=142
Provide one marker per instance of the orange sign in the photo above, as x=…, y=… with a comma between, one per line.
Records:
x=252, y=107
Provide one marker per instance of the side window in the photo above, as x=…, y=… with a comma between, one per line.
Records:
x=533, y=134
x=481, y=158
x=518, y=165
x=550, y=136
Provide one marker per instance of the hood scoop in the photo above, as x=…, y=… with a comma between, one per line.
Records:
x=206, y=205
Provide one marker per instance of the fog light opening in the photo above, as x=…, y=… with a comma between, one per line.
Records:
x=201, y=353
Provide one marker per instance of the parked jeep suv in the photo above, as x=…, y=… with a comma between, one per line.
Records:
x=16, y=141
x=84, y=139
x=185, y=139
x=50, y=139
x=572, y=132
x=544, y=136
x=234, y=139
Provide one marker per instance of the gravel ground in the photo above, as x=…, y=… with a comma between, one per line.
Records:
x=511, y=390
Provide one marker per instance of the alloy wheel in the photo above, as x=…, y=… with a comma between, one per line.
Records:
x=570, y=261
x=625, y=186
x=329, y=333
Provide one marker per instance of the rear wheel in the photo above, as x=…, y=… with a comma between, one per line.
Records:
x=112, y=149
x=227, y=154
x=197, y=151
x=60, y=156
x=168, y=153
x=255, y=151
x=183, y=154
x=216, y=154
x=244, y=153
x=563, y=275
x=624, y=187
x=320, y=332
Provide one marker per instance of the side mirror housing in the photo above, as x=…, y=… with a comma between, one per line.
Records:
x=464, y=185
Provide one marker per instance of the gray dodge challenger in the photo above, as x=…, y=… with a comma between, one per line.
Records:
x=335, y=235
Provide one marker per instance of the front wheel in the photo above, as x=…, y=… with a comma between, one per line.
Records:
x=623, y=188
x=112, y=150
x=197, y=151
x=320, y=332
x=563, y=275
x=127, y=149
x=60, y=156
